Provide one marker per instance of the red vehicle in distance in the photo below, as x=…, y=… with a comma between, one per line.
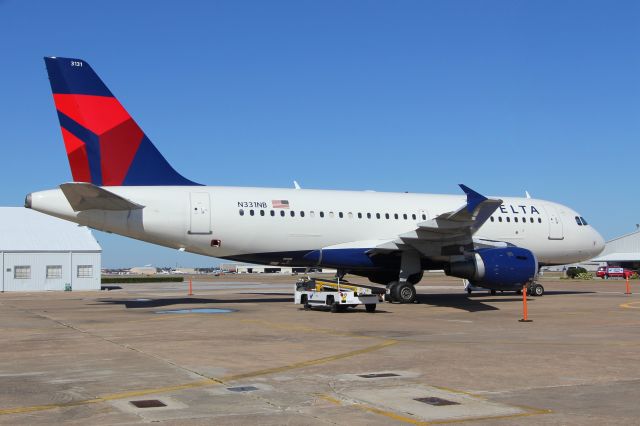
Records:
x=606, y=272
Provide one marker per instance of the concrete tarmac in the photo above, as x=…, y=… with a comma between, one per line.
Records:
x=91, y=357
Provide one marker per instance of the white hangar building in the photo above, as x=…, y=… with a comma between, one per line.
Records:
x=40, y=252
x=622, y=251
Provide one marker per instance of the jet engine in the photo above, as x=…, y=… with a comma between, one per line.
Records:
x=500, y=268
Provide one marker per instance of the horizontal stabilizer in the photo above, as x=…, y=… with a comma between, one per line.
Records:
x=86, y=196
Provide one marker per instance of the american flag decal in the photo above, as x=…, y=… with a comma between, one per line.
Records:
x=280, y=204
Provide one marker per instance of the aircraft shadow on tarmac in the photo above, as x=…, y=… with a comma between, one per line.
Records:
x=154, y=303
x=480, y=301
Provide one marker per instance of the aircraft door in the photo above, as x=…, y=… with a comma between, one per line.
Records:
x=555, y=223
x=200, y=214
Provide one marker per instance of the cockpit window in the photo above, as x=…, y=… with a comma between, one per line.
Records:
x=584, y=222
x=578, y=221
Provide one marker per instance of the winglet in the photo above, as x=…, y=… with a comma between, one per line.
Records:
x=473, y=198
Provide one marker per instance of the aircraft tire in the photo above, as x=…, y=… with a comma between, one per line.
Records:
x=390, y=297
x=370, y=307
x=335, y=307
x=493, y=292
x=537, y=290
x=404, y=292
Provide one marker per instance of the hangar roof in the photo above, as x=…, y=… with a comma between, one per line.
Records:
x=625, y=248
x=24, y=229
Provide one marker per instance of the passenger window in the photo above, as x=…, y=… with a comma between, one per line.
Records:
x=413, y=216
x=302, y=213
x=282, y=213
x=377, y=215
x=531, y=220
x=508, y=219
x=515, y=219
x=492, y=219
x=321, y=214
x=499, y=218
x=524, y=220
x=539, y=220
x=359, y=215
x=293, y=213
x=404, y=216
x=584, y=222
x=261, y=212
x=578, y=221
x=273, y=212
x=251, y=212
x=241, y=212
x=368, y=215
x=386, y=215
x=340, y=215
x=395, y=216
x=424, y=217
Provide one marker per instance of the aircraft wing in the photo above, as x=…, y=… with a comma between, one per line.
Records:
x=449, y=233
x=86, y=196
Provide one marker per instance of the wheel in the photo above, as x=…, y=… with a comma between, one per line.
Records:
x=335, y=307
x=306, y=306
x=537, y=290
x=390, y=296
x=371, y=307
x=493, y=292
x=468, y=291
x=404, y=292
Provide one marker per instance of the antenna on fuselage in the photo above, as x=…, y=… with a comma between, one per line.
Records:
x=527, y=194
x=296, y=185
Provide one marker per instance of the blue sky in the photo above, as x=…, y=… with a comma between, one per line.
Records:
x=504, y=96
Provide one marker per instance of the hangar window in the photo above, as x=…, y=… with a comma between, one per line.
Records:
x=578, y=221
x=377, y=215
x=302, y=213
x=340, y=215
x=413, y=216
x=404, y=216
x=273, y=212
x=321, y=214
x=499, y=218
x=584, y=222
x=539, y=220
x=359, y=215
x=22, y=272
x=261, y=212
x=241, y=212
x=251, y=212
x=54, y=271
x=85, y=271
x=292, y=213
x=282, y=213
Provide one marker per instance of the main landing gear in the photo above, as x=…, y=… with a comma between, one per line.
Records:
x=403, y=290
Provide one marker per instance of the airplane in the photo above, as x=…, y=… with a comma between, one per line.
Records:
x=123, y=185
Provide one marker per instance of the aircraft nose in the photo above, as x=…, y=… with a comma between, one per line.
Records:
x=598, y=243
x=27, y=201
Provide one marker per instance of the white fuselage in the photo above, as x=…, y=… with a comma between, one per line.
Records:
x=238, y=223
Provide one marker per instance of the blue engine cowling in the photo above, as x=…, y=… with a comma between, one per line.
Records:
x=500, y=268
